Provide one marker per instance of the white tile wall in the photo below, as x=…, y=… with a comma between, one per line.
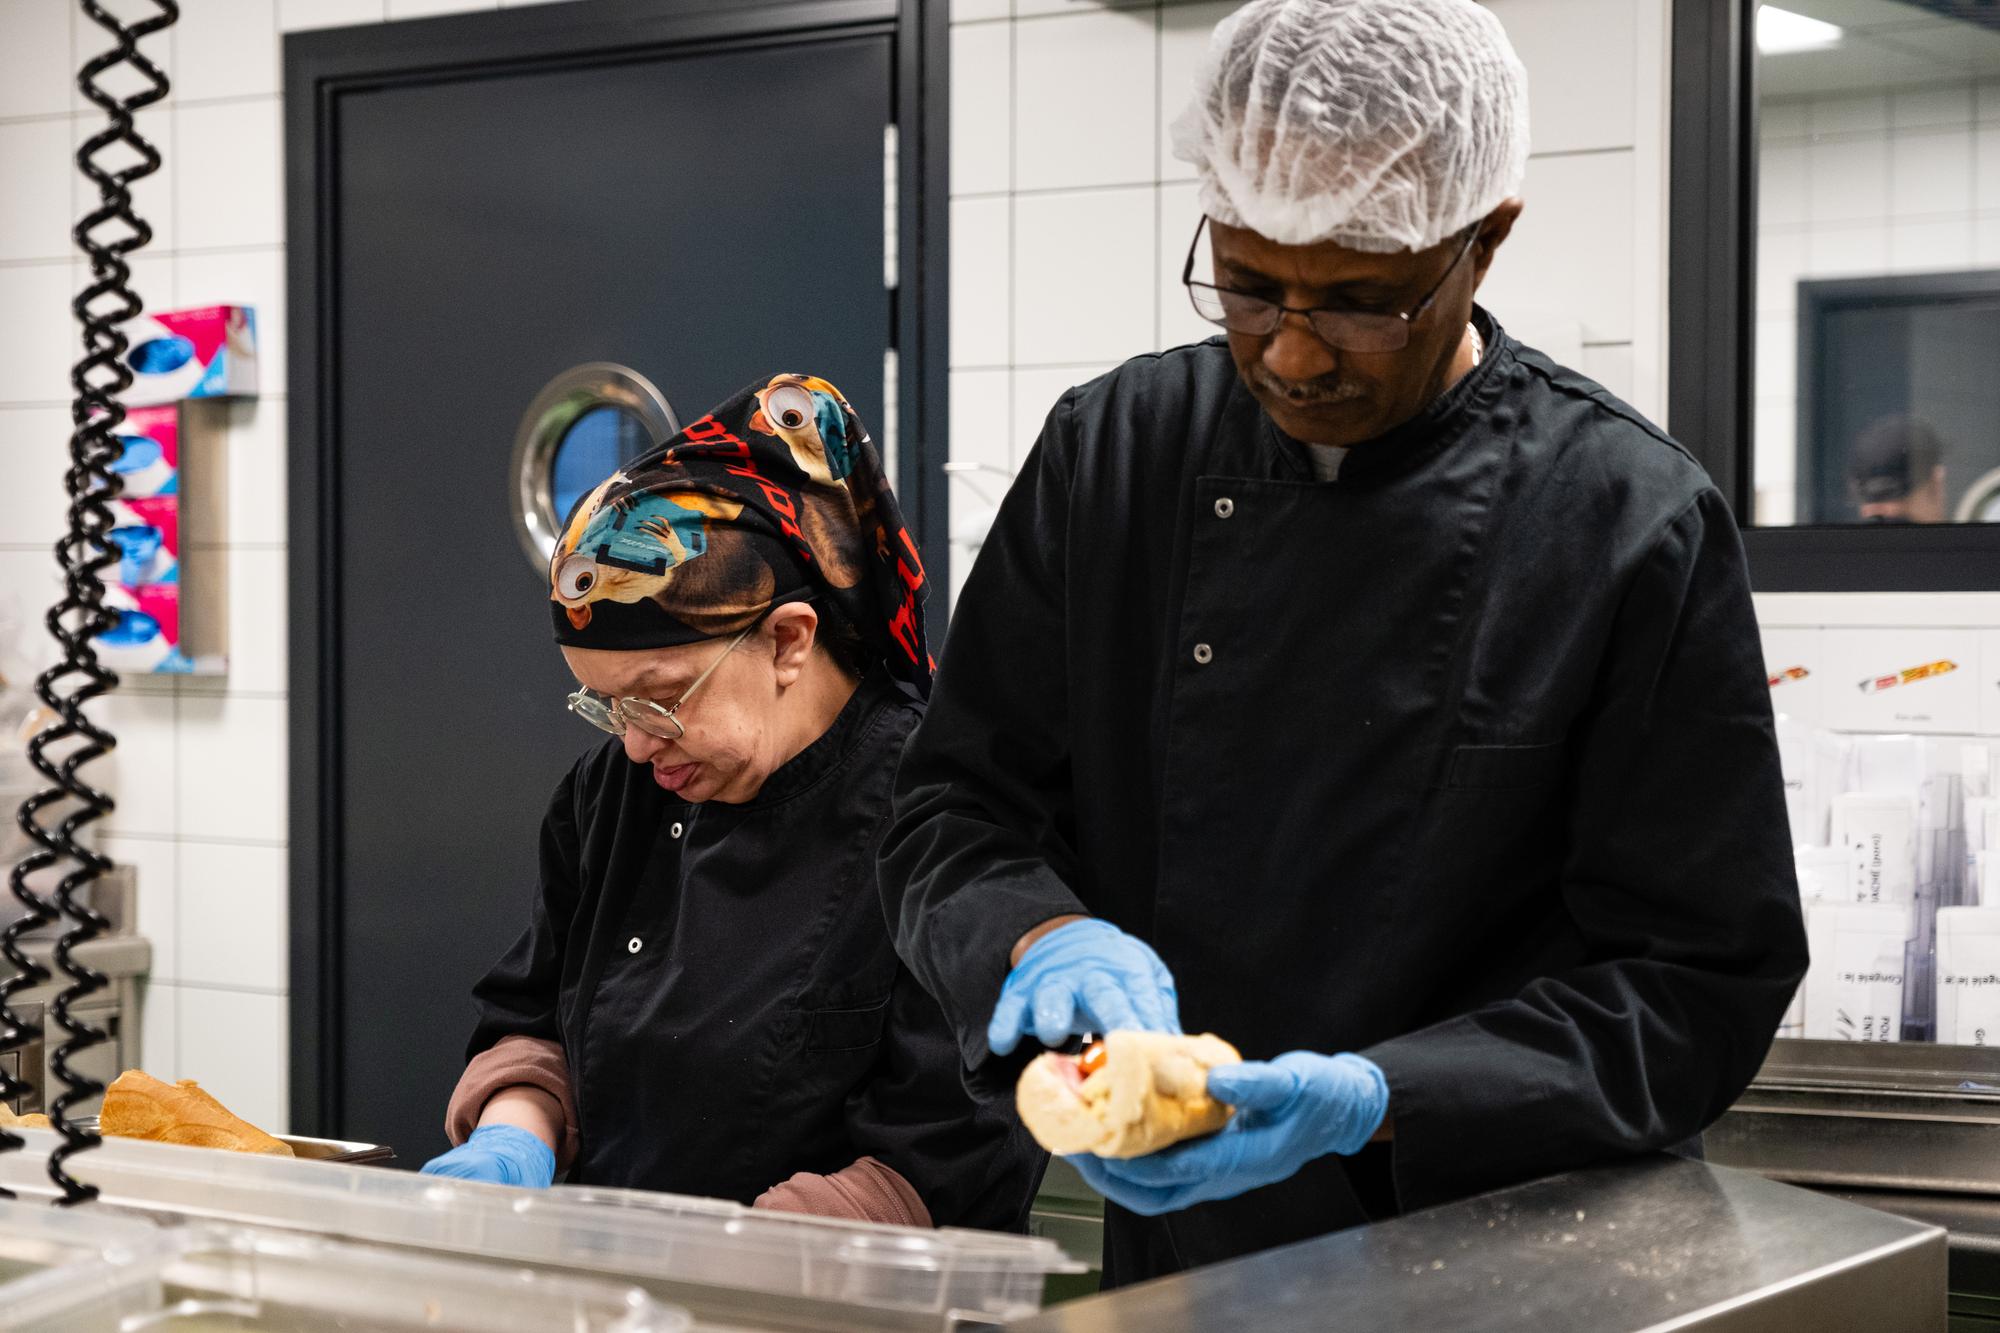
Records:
x=1083, y=275
x=35, y=442
x=1942, y=245
x=234, y=1043
x=35, y=163
x=982, y=71
x=140, y=772
x=1084, y=99
x=156, y=862
x=199, y=772
x=227, y=48
x=230, y=753
x=34, y=364
x=981, y=271
x=1931, y=172
x=1180, y=214
x=255, y=438
x=299, y=15
x=1591, y=104
x=159, y=1028
x=1572, y=250
x=231, y=182
x=232, y=916
x=1100, y=212
x=31, y=84
x=413, y=9
x=1986, y=166
x=1610, y=364
x=982, y=423
x=1035, y=394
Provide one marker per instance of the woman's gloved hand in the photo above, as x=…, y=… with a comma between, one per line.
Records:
x=1289, y=1111
x=1087, y=976
x=501, y=1154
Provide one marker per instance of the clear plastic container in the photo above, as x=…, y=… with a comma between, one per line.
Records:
x=224, y=1278
x=75, y=1271
x=719, y=1259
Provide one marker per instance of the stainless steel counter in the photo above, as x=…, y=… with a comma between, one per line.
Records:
x=1654, y=1244
x=1906, y=1116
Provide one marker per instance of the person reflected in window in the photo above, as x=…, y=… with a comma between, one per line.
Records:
x=1895, y=473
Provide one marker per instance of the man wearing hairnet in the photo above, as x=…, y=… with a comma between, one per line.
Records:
x=1360, y=686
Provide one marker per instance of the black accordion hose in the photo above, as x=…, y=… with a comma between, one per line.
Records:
x=54, y=817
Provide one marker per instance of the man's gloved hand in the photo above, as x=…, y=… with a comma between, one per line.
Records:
x=501, y=1154
x=1087, y=976
x=1289, y=1111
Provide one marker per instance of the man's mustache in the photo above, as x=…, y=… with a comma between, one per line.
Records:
x=1312, y=393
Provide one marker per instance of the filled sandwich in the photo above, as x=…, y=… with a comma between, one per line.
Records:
x=1128, y=1095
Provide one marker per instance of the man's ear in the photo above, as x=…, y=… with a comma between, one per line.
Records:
x=1494, y=231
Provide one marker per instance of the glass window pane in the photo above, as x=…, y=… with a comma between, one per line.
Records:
x=1878, y=259
x=596, y=444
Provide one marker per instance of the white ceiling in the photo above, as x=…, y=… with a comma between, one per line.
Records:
x=1888, y=44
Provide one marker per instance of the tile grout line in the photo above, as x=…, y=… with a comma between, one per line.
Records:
x=1159, y=207
x=1013, y=231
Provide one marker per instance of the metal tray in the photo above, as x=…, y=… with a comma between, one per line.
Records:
x=312, y=1150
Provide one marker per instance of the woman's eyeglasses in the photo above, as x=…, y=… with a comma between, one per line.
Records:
x=614, y=715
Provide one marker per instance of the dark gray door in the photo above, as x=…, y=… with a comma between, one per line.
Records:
x=705, y=218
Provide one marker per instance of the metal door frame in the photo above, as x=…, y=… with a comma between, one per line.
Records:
x=320, y=68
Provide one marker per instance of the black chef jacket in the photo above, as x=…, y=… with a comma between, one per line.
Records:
x=723, y=984
x=1463, y=761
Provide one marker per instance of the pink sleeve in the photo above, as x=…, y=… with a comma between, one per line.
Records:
x=864, y=1192
x=513, y=1062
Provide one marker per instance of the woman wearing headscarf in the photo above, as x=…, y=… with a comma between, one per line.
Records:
x=706, y=999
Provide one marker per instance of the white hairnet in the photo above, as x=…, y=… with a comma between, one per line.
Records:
x=1380, y=124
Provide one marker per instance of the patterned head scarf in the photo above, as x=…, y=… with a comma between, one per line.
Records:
x=775, y=496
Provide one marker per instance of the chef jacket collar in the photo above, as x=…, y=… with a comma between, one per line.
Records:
x=1409, y=445
x=834, y=745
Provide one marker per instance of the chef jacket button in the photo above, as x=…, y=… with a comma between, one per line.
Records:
x=1225, y=507
x=677, y=831
x=1203, y=654
x=634, y=944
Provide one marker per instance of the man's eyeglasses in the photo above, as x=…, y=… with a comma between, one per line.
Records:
x=1348, y=330
x=614, y=715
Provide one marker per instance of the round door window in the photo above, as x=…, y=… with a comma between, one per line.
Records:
x=585, y=424
x=597, y=444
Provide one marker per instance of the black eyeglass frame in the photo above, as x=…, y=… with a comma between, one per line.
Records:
x=1318, y=317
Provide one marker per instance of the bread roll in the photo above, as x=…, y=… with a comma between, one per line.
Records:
x=139, y=1106
x=8, y=1120
x=1150, y=1092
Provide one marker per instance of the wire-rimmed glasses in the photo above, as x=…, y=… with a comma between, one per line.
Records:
x=655, y=719
x=1348, y=330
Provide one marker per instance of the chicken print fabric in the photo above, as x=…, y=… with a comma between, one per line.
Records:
x=776, y=495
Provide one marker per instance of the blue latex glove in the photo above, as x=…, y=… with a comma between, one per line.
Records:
x=1290, y=1111
x=502, y=1154
x=1087, y=976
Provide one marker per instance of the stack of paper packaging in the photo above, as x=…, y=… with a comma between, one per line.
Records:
x=1899, y=876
